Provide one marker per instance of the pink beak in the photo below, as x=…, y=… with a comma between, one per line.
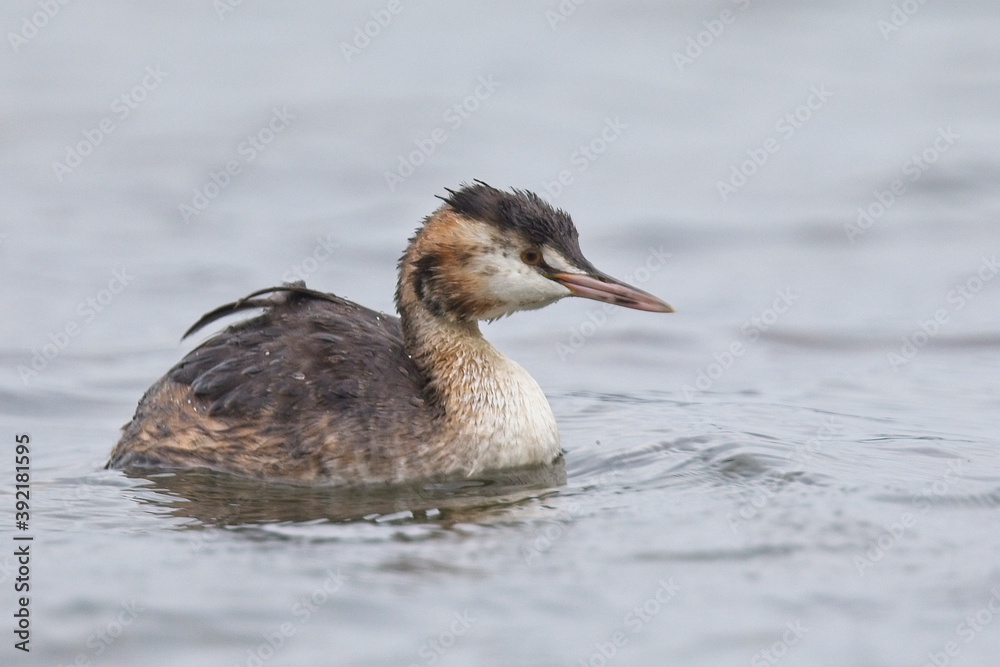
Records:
x=601, y=287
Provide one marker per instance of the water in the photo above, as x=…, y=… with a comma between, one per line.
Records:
x=798, y=468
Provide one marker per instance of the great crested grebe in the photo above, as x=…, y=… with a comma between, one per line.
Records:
x=318, y=389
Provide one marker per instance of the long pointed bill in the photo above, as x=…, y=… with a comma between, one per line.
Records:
x=601, y=287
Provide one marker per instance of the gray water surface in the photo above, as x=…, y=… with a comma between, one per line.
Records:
x=799, y=467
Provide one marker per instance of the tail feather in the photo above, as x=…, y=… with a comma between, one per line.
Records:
x=251, y=302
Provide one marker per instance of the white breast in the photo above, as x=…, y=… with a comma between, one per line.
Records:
x=504, y=419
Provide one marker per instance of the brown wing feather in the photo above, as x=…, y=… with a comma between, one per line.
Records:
x=314, y=387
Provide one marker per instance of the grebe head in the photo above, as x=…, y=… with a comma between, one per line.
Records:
x=487, y=253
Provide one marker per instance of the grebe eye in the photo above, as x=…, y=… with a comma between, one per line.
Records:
x=531, y=256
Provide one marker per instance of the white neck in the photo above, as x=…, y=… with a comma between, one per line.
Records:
x=495, y=414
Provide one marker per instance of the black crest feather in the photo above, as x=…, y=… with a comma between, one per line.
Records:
x=521, y=211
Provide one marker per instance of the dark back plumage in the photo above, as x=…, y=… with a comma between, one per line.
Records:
x=310, y=365
x=311, y=348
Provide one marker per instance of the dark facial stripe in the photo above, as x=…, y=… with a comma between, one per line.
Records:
x=424, y=273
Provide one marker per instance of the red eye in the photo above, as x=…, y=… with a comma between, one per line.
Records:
x=531, y=256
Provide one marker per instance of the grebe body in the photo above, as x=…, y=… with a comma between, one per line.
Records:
x=317, y=389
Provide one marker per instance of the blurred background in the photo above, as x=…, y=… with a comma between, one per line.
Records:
x=811, y=185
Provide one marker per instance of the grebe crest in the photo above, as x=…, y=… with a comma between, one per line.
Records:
x=317, y=389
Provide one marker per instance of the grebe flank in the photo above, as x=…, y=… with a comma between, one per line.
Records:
x=317, y=389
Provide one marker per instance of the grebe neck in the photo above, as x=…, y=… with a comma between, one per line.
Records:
x=494, y=414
